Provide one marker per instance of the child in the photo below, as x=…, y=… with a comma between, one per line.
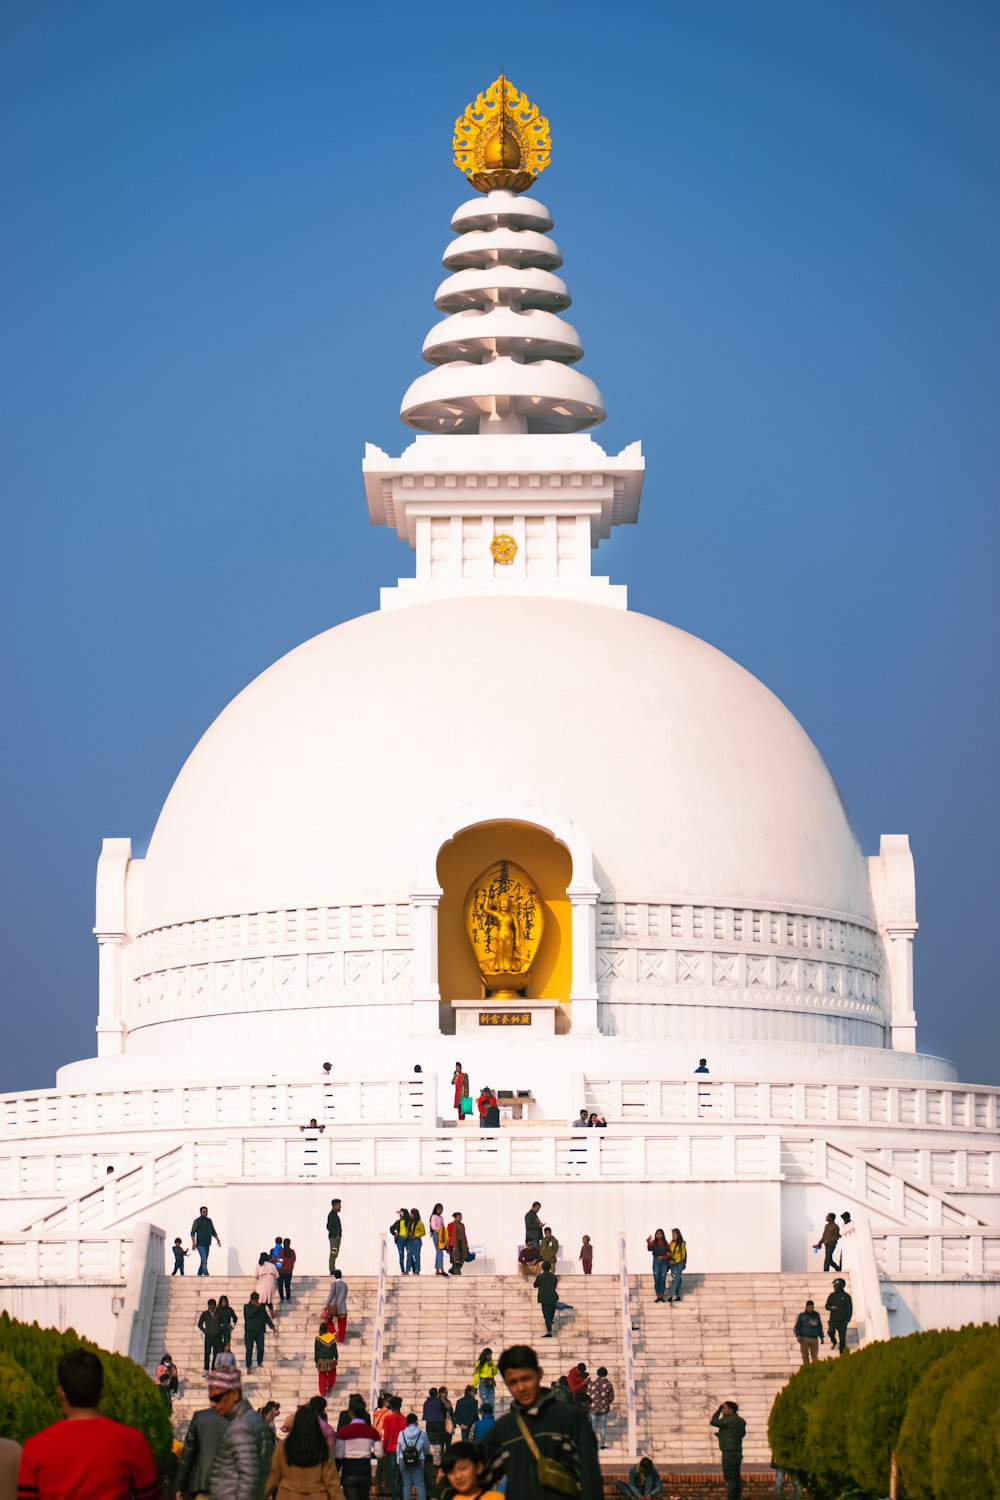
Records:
x=484, y=1422
x=325, y=1355
x=587, y=1255
x=463, y=1466
x=179, y=1254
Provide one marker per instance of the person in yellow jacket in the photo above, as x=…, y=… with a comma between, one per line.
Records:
x=400, y=1232
x=416, y=1229
x=484, y=1377
x=678, y=1260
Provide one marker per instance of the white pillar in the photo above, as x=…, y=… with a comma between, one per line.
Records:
x=583, y=989
x=426, y=990
x=110, y=931
x=894, y=893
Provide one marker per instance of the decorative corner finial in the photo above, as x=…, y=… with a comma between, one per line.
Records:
x=502, y=141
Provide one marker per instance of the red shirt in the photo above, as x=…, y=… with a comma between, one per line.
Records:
x=391, y=1428
x=89, y=1458
x=577, y=1382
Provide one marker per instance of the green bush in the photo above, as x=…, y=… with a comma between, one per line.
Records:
x=914, y=1447
x=29, y=1401
x=825, y=1450
x=886, y=1375
x=789, y=1418
x=964, y=1448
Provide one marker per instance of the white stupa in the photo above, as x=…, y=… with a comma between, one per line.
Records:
x=304, y=895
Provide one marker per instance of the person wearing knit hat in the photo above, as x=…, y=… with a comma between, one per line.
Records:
x=243, y=1458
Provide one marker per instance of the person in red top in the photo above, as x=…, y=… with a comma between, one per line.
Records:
x=87, y=1457
x=285, y=1270
x=392, y=1425
x=577, y=1378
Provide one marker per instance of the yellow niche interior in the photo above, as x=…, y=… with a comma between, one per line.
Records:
x=548, y=863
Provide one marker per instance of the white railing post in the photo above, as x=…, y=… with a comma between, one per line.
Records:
x=627, y=1355
x=378, y=1336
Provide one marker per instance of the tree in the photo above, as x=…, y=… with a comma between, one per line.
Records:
x=887, y=1374
x=913, y=1450
x=787, y=1425
x=965, y=1459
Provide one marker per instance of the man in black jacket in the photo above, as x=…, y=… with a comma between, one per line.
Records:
x=730, y=1429
x=210, y=1326
x=255, y=1319
x=840, y=1306
x=557, y=1431
x=533, y=1226
x=334, y=1232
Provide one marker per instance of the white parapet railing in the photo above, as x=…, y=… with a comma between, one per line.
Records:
x=936, y=1106
x=880, y=1188
x=378, y=1333
x=628, y=1358
x=858, y=1260
x=146, y=1266
x=196, y=1106
x=970, y=1254
x=528, y=1155
x=30, y=1258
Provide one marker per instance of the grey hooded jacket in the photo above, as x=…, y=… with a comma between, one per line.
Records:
x=243, y=1459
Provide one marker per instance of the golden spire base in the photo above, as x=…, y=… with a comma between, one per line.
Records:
x=502, y=141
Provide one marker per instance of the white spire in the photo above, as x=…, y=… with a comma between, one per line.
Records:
x=503, y=356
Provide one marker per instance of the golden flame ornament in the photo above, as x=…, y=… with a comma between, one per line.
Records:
x=502, y=141
x=504, y=919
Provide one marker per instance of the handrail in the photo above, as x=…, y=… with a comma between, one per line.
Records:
x=870, y=1313
x=627, y=1353
x=145, y=1269
x=378, y=1334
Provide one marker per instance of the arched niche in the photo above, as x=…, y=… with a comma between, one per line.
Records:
x=550, y=866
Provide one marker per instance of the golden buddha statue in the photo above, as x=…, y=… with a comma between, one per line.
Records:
x=504, y=919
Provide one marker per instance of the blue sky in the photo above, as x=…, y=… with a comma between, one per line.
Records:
x=223, y=233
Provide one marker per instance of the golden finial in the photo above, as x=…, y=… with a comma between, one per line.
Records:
x=502, y=141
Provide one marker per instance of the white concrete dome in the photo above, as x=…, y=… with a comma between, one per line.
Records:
x=321, y=781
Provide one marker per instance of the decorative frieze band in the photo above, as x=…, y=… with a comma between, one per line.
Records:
x=683, y=925
x=779, y=980
x=368, y=971
x=301, y=927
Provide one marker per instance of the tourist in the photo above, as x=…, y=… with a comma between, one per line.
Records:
x=602, y=1394
x=484, y=1377
x=548, y=1250
x=413, y=1450
x=226, y=1321
x=484, y=1102
x=546, y=1283
x=334, y=1232
x=845, y=1218
x=256, y=1317
x=643, y=1479
x=600, y=1123
x=336, y=1306
x=270, y=1412
x=561, y=1390
x=276, y=1251
x=266, y=1279
x=88, y=1454
x=391, y=1428
x=461, y=1081
x=243, y=1456
x=326, y=1354
x=314, y=1126
x=433, y=1415
x=840, y=1306
x=533, y=1226
x=730, y=1429
x=538, y=1426
x=416, y=1230
x=463, y=1466
x=809, y=1332
x=399, y=1230
x=466, y=1412
x=678, y=1261
x=528, y=1263
x=587, y=1256
x=592, y=1120
x=780, y=1475
x=449, y=1414
x=202, y=1235
x=179, y=1257
x=208, y=1324
x=659, y=1247
x=288, y=1259
x=702, y=1065
x=458, y=1244
x=484, y=1423
x=201, y=1441
x=582, y=1121
x=827, y=1242
x=357, y=1442
x=439, y=1238
x=302, y=1465
x=318, y=1404
x=167, y=1380
x=577, y=1378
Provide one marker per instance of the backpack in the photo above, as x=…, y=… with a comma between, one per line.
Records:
x=411, y=1456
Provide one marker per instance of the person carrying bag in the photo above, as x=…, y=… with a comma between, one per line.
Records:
x=551, y=1475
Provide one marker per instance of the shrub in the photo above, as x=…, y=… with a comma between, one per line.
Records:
x=825, y=1449
x=788, y=1421
x=913, y=1450
x=964, y=1450
x=130, y=1396
x=887, y=1373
